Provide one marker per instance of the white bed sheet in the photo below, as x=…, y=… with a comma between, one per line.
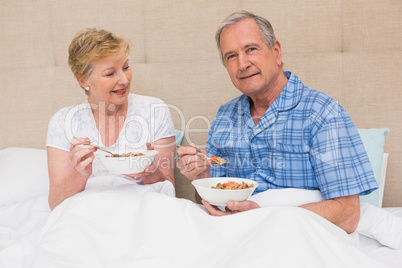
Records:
x=390, y=257
x=116, y=223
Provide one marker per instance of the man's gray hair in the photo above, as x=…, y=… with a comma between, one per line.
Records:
x=266, y=30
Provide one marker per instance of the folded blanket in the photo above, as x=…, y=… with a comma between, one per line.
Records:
x=131, y=225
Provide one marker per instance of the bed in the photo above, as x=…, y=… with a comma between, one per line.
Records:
x=349, y=49
x=116, y=222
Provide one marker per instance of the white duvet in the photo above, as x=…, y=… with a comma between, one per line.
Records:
x=116, y=223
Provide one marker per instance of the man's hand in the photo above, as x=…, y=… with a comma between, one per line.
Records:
x=191, y=165
x=232, y=207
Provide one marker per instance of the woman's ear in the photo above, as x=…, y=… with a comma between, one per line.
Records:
x=81, y=82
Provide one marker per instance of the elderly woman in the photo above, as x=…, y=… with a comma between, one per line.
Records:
x=111, y=117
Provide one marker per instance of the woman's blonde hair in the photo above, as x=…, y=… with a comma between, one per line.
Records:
x=90, y=45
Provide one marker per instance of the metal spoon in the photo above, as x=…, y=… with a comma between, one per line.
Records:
x=99, y=148
x=211, y=160
x=102, y=149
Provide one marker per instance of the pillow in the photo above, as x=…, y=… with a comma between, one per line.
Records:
x=373, y=141
x=23, y=174
x=382, y=179
x=381, y=225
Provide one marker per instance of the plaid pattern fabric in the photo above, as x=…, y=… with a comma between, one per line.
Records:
x=304, y=140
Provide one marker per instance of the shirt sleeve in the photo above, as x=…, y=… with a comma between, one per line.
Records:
x=56, y=133
x=339, y=159
x=163, y=127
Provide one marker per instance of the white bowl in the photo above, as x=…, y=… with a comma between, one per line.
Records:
x=220, y=197
x=127, y=165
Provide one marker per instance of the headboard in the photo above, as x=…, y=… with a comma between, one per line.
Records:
x=350, y=49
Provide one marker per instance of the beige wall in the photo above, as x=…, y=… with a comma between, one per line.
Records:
x=350, y=49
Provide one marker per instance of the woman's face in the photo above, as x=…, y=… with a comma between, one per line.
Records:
x=110, y=80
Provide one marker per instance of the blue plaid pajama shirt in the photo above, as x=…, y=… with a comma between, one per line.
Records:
x=304, y=140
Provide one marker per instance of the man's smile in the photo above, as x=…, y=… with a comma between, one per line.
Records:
x=248, y=76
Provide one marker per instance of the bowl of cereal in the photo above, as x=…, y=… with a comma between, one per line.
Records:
x=127, y=163
x=218, y=191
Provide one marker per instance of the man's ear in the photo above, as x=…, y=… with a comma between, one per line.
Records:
x=278, y=51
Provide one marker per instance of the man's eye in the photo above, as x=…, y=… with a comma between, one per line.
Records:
x=229, y=57
x=251, y=49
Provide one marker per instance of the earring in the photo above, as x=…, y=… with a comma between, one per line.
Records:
x=87, y=88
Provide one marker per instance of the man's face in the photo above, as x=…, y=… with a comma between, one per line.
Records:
x=252, y=66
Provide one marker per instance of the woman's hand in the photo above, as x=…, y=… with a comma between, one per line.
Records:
x=151, y=174
x=82, y=155
x=191, y=165
x=69, y=171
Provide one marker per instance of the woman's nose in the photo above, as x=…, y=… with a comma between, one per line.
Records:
x=124, y=78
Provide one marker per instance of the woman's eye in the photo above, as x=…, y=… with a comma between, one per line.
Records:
x=109, y=74
x=126, y=68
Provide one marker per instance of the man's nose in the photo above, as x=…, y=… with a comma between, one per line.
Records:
x=244, y=62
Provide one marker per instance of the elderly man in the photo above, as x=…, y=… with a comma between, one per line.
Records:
x=280, y=132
